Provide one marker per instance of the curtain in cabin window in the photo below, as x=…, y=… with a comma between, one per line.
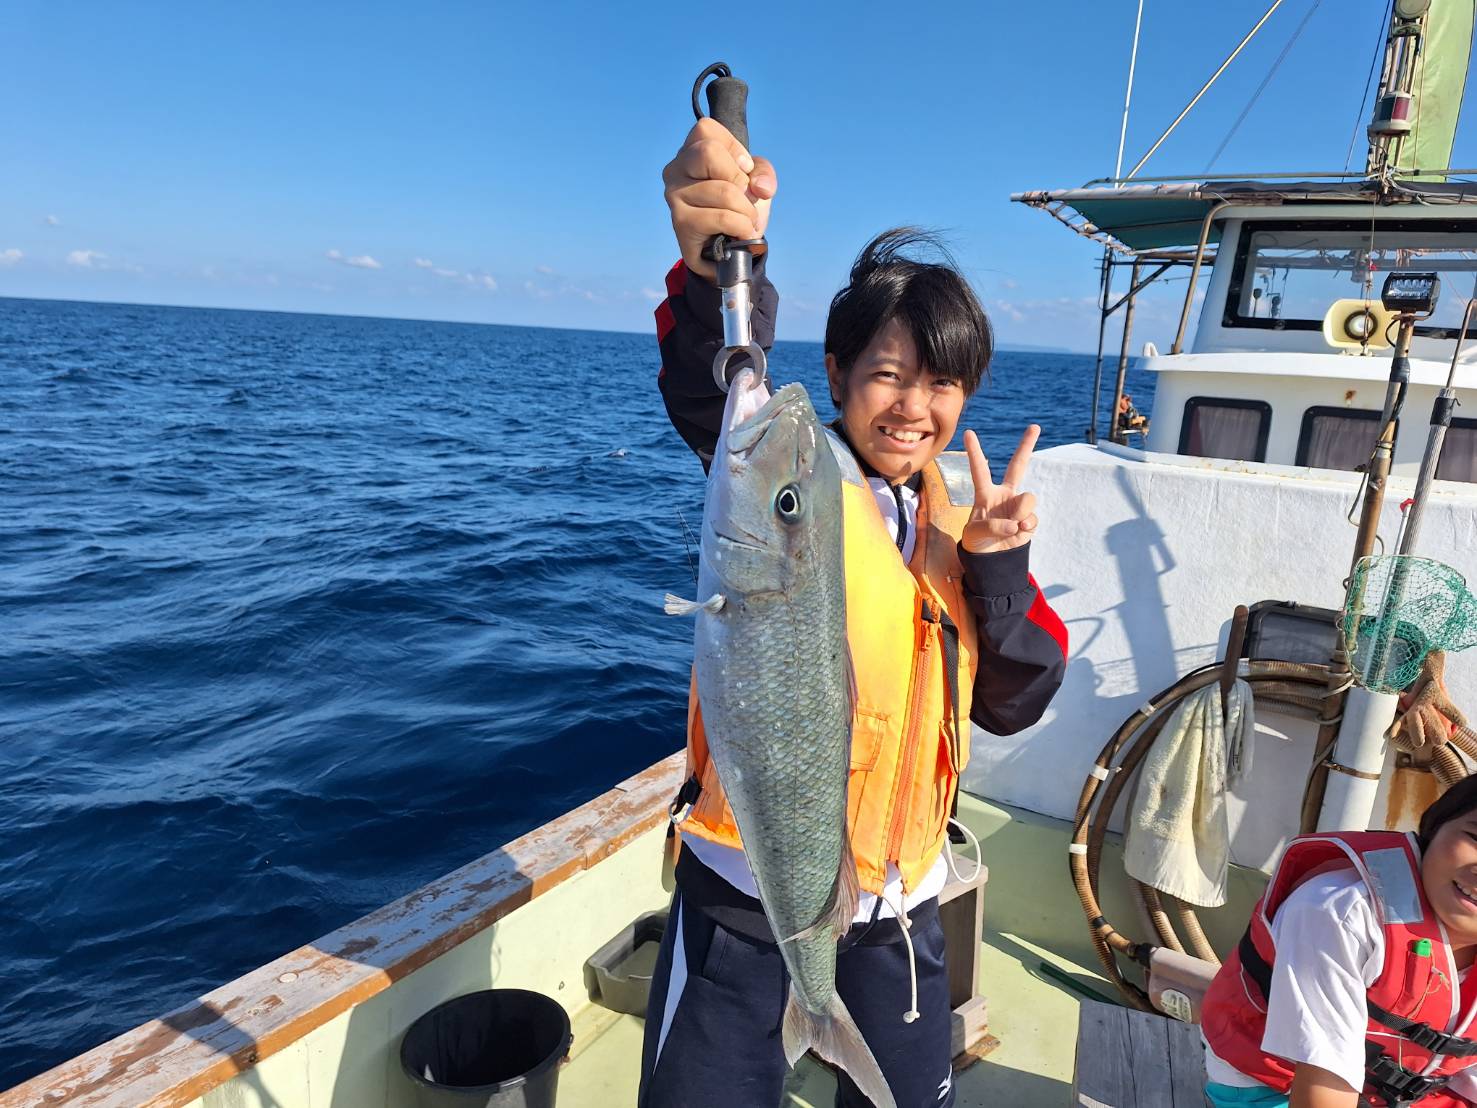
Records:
x=1339, y=442
x=1225, y=432
x=1458, y=455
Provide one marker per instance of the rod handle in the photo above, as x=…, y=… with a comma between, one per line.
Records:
x=728, y=100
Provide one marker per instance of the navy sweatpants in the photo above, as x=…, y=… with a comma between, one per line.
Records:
x=713, y=1018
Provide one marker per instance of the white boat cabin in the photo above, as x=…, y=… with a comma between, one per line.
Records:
x=1263, y=380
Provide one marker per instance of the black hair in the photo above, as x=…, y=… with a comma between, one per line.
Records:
x=1458, y=801
x=930, y=298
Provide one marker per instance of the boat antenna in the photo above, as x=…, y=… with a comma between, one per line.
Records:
x=1128, y=95
x=1204, y=88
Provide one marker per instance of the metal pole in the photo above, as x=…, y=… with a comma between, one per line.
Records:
x=1102, y=326
x=1128, y=96
x=1440, y=421
x=1206, y=88
x=1179, y=335
x=1114, y=431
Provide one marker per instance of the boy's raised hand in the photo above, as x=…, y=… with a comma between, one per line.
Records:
x=714, y=187
x=1004, y=516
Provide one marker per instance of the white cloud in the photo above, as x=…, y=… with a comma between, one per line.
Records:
x=52, y=221
x=652, y=294
x=10, y=257
x=1005, y=307
x=547, y=271
x=424, y=263
x=358, y=261
x=481, y=280
x=442, y=271
x=86, y=259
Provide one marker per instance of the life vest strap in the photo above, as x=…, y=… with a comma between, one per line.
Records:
x=1396, y=1085
x=1423, y=1034
x=1254, y=965
x=684, y=800
x=949, y=634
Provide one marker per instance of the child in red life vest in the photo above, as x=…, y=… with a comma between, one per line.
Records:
x=1353, y=984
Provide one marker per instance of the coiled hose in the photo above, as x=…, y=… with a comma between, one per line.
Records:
x=1296, y=687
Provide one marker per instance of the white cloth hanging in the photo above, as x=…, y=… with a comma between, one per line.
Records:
x=1177, y=838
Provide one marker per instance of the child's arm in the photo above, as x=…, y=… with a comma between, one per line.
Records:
x=1318, y=1088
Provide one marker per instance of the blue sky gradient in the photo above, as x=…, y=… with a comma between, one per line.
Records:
x=500, y=163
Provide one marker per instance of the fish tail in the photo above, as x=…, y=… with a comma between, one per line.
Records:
x=834, y=1035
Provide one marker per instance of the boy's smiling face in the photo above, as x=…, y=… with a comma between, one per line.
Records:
x=897, y=414
x=1449, y=876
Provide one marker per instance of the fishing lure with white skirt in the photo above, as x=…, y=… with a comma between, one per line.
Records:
x=774, y=680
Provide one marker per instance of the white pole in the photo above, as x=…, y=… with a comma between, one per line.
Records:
x=1348, y=801
x=1206, y=87
x=1128, y=96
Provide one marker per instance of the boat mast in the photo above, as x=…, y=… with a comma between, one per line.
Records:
x=1422, y=81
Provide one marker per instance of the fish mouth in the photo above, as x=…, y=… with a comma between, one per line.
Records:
x=791, y=404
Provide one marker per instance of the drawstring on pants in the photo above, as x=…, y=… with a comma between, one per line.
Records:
x=901, y=911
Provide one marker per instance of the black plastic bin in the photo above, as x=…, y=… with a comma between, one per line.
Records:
x=500, y=1048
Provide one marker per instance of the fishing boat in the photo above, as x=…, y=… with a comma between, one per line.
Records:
x=1211, y=543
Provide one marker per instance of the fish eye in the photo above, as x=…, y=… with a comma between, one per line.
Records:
x=787, y=503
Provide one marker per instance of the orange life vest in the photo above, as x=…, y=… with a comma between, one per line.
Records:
x=905, y=624
x=1418, y=1013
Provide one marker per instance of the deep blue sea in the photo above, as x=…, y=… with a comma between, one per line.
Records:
x=300, y=612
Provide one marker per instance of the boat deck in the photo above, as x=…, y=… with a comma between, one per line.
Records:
x=320, y=1027
x=1033, y=1016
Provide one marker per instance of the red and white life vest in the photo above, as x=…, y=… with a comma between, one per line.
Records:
x=1418, y=1014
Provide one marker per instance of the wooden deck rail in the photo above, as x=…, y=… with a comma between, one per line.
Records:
x=181, y=1056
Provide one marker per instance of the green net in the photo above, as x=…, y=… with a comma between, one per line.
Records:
x=1400, y=608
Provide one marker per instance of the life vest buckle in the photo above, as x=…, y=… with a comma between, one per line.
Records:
x=681, y=806
x=1395, y=1084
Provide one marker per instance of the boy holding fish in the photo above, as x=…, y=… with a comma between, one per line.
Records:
x=942, y=625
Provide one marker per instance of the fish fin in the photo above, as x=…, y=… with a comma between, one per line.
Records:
x=834, y=1035
x=845, y=893
x=675, y=606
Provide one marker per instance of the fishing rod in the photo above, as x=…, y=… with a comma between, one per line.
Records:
x=728, y=99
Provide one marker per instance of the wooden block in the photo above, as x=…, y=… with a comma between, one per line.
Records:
x=1130, y=1059
x=962, y=917
x=968, y=1024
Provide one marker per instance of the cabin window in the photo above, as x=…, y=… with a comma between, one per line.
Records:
x=1337, y=438
x=1459, y=452
x=1218, y=427
x=1287, y=273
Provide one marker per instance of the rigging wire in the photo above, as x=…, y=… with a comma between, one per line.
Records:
x=1261, y=87
x=1128, y=95
x=1205, y=88
x=1373, y=61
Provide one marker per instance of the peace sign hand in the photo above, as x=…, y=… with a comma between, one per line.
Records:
x=1004, y=517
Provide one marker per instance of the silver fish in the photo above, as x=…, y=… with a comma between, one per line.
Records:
x=774, y=680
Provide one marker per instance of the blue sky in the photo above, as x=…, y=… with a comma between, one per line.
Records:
x=500, y=162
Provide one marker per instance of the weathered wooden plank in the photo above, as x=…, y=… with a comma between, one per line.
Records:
x=1103, y=1077
x=1129, y=1059
x=1186, y=1063
x=1148, y=1056
x=178, y=1058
